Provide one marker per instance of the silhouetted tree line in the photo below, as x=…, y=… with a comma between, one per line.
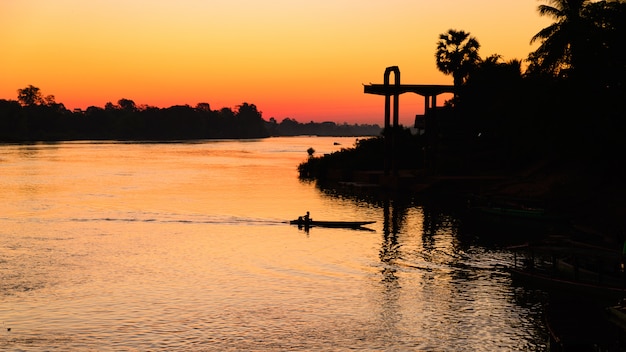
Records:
x=291, y=127
x=569, y=104
x=366, y=155
x=34, y=117
x=31, y=119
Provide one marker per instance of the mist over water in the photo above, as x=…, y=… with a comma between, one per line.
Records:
x=185, y=246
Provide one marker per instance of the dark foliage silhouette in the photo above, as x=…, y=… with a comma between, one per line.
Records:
x=457, y=54
x=29, y=96
x=568, y=107
x=37, y=118
x=585, y=43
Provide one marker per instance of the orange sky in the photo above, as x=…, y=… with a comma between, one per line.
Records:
x=305, y=60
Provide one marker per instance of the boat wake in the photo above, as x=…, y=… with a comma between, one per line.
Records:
x=186, y=219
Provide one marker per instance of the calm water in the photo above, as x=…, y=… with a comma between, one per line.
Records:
x=122, y=246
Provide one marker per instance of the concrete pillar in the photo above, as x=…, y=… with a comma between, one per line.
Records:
x=389, y=128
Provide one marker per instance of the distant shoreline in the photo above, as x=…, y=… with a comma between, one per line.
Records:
x=165, y=141
x=50, y=122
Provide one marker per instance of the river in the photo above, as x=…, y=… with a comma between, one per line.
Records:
x=113, y=246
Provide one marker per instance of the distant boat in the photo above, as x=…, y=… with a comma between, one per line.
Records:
x=512, y=208
x=333, y=224
x=601, y=287
x=571, y=268
x=617, y=315
x=525, y=212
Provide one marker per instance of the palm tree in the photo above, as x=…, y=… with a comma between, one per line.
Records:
x=562, y=42
x=457, y=54
x=605, y=49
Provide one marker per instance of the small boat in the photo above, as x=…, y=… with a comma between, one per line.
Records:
x=333, y=224
x=571, y=267
x=513, y=208
x=603, y=287
x=521, y=211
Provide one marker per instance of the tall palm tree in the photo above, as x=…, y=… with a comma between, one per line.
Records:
x=457, y=54
x=605, y=49
x=562, y=42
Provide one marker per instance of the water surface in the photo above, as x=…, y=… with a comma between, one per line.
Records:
x=184, y=246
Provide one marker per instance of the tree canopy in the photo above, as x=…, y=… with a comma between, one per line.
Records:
x=457, y=54
x=584, y=43
x=34, y=117
x=29, y=96
x=570, y=101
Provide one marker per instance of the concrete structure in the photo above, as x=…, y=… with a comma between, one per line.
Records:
x=429, y=92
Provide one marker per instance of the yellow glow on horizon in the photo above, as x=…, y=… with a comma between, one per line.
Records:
x=306, y=60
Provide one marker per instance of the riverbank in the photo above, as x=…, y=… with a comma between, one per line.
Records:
x=589, y=193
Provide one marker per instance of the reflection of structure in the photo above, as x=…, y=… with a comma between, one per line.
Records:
x=429, y=92
x=393, y=216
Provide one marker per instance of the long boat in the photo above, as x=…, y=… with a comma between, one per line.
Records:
x=524, y=212
x=513, y=208
x=571, y=267
x=607, y=287
x=334, y=224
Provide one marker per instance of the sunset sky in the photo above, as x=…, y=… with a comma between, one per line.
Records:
x=307, y=60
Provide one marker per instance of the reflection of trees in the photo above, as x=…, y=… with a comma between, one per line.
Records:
x=429, y=229
x=394, y=208
x=440, y=241
x=394, y=213
x=393, y=216
x=426, y=265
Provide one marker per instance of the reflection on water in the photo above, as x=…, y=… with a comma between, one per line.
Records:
x=128, y=246
x=390, y=250
x=457, y=292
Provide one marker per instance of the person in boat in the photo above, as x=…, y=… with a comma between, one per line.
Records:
x=306, y=219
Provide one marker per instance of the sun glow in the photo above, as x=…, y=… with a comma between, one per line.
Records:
x=304, y=60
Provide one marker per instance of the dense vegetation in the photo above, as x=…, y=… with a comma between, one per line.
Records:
x=291, y=127
x=34, y=117
x=51, y=122
x=568, y=105
x=366, y=155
